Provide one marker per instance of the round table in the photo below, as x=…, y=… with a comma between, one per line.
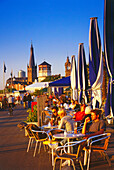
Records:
x=49, y=127
x=68, y=135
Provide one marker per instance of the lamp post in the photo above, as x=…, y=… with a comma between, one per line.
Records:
x=11, y=81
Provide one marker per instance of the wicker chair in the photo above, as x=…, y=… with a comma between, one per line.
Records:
x=69, y=156
x=39, y=136
x=98, y=143
x=30, y=134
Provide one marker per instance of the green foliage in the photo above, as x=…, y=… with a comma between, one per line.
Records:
x=51, y=78
x=8, y=90
x=32, y=117
x=40, y=92
x=1, y=91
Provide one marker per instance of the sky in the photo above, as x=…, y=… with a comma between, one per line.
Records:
x=55, y=27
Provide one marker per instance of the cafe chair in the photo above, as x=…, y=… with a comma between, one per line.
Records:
x=45, y=116
x=70, y=156
x=52, y=140
x=39, y=136
x=98, y=143
x=56, y=131
x=30, y=134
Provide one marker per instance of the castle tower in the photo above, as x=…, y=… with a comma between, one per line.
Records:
x=67, y=67
x=44, y=71
x=31, y=68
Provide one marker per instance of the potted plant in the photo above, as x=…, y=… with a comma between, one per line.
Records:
x=32, y=117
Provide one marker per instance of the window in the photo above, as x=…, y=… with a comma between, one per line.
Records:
x=44, y=68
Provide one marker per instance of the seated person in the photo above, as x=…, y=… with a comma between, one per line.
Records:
x=46, y=105
x=66, y=105
x=54, y=102
x=80, y=114
x=82, y=101
x=77, y=105
x=66, y=122
x=97, y=127
x=54, y=118
x=72, y=105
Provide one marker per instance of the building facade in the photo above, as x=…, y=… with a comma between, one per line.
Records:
x=21, y=73
x=44, y=71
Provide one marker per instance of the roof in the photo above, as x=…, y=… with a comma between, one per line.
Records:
x=31, y=61
x=61, y=82
x=45, y=63
x=37, y=86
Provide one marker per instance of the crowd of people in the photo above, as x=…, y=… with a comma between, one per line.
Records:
x=66, y=112
x=11, y=101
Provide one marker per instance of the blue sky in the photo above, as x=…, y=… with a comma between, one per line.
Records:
x=56, y=27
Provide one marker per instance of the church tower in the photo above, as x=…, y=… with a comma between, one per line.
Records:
x=31, y=68
x=67, y=67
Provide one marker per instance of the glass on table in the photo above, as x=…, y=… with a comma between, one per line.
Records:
x=75, y=127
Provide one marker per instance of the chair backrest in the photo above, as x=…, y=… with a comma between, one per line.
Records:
x=29, y=128
x=98, y=139
x=80, y=145
x=22, y=125
x=39, y=135
x=107, y=141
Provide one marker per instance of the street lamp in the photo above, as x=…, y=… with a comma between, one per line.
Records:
x=11, y=80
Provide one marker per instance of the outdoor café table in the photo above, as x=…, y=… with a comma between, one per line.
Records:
x=68, y=136
x=49, y=127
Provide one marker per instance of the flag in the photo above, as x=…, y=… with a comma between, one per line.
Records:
x=4, y=68
x=11, y=74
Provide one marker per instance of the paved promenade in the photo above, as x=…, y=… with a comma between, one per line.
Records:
x=13, y=144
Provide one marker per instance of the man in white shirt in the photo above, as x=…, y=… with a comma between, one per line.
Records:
x=66, y=121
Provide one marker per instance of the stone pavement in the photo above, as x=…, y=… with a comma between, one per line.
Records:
x=13, y=144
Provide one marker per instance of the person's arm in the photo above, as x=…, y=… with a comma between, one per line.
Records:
x=51, y=121
x=94, y=134
x=74, y=117
x=61, y=124
x=85, y=125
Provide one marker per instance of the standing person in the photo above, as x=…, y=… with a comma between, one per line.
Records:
x=29, y=99
x=10, y=102
x=18, y=99
x=4, y=103
x=24, y=101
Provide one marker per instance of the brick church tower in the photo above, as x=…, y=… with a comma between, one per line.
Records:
x=31, y=68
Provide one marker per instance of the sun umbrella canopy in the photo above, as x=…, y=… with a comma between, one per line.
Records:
x=74, y=77
x=109, y=53
x=61, y=82
x=37, y=86
x=82, y=74
x=95, y=62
